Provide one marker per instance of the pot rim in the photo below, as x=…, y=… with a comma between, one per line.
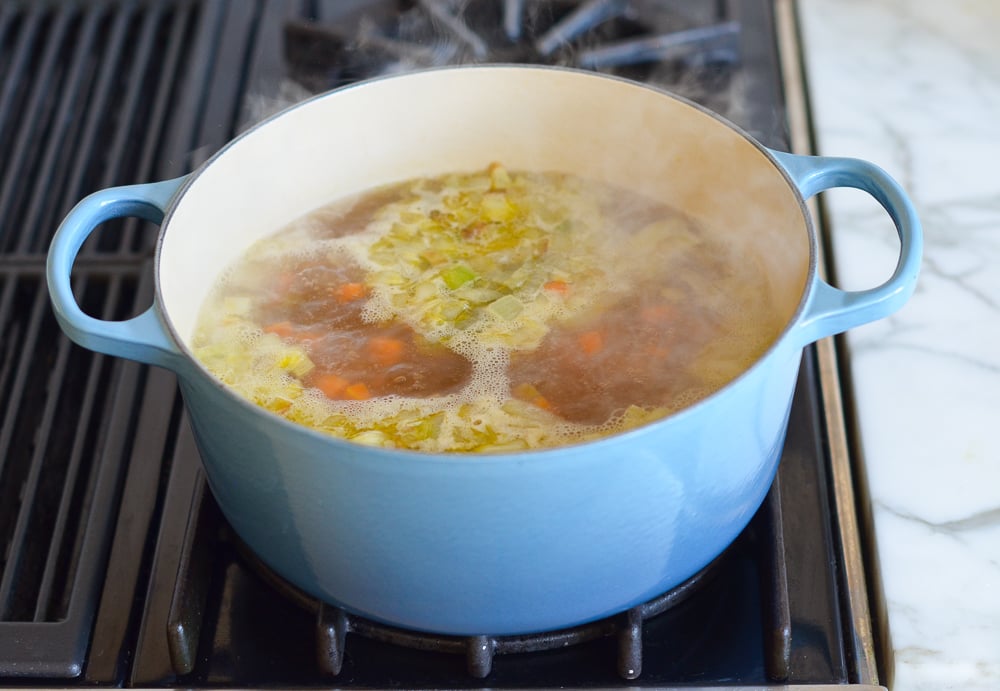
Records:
x=552, y=454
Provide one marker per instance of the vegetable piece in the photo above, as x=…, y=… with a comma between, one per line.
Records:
x=558, y=287
x=528, y=393
x=457, y=276
x=372, y=437
x=386, y=351
x=296, y=363
x=237, y=305
x=283, y=329
x=348, y=292
x=434, y=257
x=591, y=342
x=357, y=391
x=508, y=307
x=496, y=207
x=331, y=385
x=499, y=177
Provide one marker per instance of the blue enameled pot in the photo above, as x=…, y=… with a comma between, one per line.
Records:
x=507, y=543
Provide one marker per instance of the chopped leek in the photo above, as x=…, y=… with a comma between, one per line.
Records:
x=508, y=307
x=469, y=256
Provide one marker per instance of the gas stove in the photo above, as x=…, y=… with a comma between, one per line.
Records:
x=118, y=569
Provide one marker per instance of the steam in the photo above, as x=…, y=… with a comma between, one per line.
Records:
x=678, y=46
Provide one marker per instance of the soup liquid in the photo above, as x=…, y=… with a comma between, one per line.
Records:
x=486, y=311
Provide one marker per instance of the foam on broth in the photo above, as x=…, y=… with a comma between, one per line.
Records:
x=486, y=311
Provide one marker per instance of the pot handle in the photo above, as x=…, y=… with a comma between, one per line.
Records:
x=141, y=338
x=831, y=310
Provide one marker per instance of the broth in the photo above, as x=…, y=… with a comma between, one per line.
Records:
x=486, y=311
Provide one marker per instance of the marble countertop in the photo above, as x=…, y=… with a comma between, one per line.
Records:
x=914, y=86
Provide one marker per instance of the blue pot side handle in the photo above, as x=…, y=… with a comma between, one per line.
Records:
x=141, y=338
x=831, y=310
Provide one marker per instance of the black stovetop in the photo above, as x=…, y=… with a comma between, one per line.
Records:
x=117, y=568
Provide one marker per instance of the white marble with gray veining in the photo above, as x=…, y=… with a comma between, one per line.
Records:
x=914, y=85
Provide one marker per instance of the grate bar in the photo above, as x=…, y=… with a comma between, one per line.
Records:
x=17, y=164
x=19, y=65
x=158, y=114
x=227, y=75
x=97, y=109
x=9, y=334
x=190, y=106
x=8, y=347
x=777, y=613
x=663, y=47
x=512, y=18
x=15, y=547
x=41, y=197
x=582, y=19
x=87, y=407
x=6, y=14
x=123, y=134
x=20, y=378
x=266, y=67
x=155, y=428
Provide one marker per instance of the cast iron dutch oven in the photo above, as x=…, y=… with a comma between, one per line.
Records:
x=511, y=542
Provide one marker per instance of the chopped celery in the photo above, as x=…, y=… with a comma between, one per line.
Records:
x=458, y=275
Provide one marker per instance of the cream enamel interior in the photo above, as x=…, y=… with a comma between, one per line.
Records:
x=439, y=121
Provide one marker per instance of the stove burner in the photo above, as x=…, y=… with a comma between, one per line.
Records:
x=333, y=624
x=664, y=47
x=652, y=37
x=586, y=16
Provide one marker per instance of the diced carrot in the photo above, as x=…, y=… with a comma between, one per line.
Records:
x=529, y=394
x=283, y=329
x=357, y=391
x=386, y=351
x=542, y=402
x=561, y=287
x=591, y=342
x=347, y=292
x=525, y=391
x=332, y=385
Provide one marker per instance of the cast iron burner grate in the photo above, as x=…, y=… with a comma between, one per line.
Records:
x=690, y=48
x=332, y=624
